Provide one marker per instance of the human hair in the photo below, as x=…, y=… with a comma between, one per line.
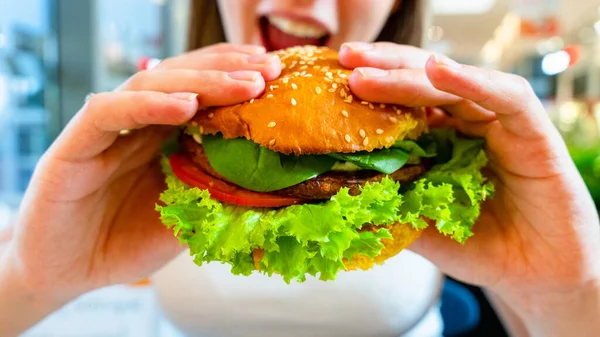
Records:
x=405, y=24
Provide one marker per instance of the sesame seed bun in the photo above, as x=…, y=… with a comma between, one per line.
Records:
x=310, y=109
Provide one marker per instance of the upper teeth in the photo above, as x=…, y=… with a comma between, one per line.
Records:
x=300, y=29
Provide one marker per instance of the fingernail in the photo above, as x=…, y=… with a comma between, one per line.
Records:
x=184, y=96
x=244, y=75
x=261, y=58
x=358, y=46
x=445, y=61
x=372, y=72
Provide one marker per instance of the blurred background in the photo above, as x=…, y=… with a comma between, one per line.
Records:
x=54, y=52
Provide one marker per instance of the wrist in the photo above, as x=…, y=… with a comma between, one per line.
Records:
x=560, y=313
x=22, y=306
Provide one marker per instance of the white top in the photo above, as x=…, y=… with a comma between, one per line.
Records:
x=398, y=298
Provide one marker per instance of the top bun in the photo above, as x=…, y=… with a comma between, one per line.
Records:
x=310, y=109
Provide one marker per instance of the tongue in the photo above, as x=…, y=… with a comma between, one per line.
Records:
x=277, y=39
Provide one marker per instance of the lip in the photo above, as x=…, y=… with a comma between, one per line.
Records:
x=263, y=21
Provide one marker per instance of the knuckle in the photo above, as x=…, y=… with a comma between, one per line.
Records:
x=96, y=102
x=523, y=84
x=136, y=82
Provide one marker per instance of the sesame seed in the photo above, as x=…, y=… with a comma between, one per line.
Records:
x=211, y=115
x=366, y=141
x=342, y=93
x=325, y=68
x=283, y=65
x=334, y=85
x=362, y=133
x=303, y=73
x=275, y=86
x=394, y=119
x=296, y=73
x=343, y=75
x=328, y=79
x=317, y=67
x=348, y=138
x=252, y=101
x=303, y=67
x=339, y=71
x=285, y=80
x=310, y=63
x=345, y=113
x=271, y=87
x=329, y=74
x=318, y=90
x=350, y=98
x=294, y=86
x=269, y=95
x=293, y=101
x=389, y=139
x=371, y=106
x=201, y=129
x=337, y=80
x=302, y=62
x=271, y=125
x=379, y=131
x=197, y=138
x=331, y=90
x=364, y=102
x=308, y=75
x=272, y=142
x=382, y=106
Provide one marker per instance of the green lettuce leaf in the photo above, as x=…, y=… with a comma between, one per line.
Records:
x=314, y=239
x=257, y=168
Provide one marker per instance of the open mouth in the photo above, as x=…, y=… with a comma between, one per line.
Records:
x=279, y=32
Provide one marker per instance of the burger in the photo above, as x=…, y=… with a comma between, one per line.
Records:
x=308, y=180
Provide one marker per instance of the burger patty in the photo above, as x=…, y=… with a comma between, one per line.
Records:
x=322, y=187
x=329, y=184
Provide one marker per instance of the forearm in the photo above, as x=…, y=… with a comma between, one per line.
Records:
x=575, y=313
x=20, y=308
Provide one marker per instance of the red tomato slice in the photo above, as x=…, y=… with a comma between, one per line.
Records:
x=194, y=176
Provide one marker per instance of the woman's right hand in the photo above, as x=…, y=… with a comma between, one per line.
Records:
x=88, y=219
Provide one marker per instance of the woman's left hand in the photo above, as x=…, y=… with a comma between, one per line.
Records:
x=537, y=242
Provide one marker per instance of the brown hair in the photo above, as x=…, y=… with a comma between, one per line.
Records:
x=404, y=26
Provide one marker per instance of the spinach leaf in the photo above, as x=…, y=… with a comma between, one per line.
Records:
x=257, y=168
x=386, y=161
x=425, y=147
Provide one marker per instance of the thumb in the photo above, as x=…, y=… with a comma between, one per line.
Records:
x=477, y=261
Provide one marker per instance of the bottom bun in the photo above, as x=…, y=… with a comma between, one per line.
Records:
x=402, y=236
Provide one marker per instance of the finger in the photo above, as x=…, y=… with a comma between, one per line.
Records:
x=228, y=48
x=469, y=111
x=509, y=96
x=218, y=48
x=268, y=65
x=205, y=83
x=6, y=235
x=99, y=122
x=408, y=87
x=383, y=55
